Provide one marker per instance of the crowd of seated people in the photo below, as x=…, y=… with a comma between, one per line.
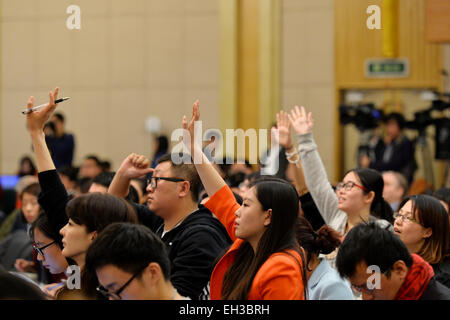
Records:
x=198, y=230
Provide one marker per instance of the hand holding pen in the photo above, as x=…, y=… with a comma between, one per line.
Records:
x=37, y=119
x=27, y=111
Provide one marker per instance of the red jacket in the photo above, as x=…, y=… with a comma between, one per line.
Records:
x=279, y=277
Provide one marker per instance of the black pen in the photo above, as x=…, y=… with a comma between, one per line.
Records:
x=43, y=105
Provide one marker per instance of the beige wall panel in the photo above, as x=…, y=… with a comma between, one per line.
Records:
x=90, y=54
x=130, y=60
x=15, y=141
x=307, y=68
x=89, y=113
x=92, y=7
x=22, y=9
x=201, y=6
x=202, y=51
x=165, y=7
x=294, y=48
x=53, y=58
x=128, y=7
x=18, y=48
x=165, y=59
x=127, y=52
x=55, y=9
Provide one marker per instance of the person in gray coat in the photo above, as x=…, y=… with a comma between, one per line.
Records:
x=358, y=198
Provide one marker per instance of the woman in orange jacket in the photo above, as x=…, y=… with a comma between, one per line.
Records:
x=265, y=261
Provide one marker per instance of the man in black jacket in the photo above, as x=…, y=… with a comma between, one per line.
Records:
x=396, y=152
x=378, y=264
x=194, y=238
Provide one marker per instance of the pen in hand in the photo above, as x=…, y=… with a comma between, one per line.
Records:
x=27, y=111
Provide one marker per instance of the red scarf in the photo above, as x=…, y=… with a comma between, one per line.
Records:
x=417, y=279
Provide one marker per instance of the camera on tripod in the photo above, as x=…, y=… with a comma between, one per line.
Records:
x=424, y=118
x=363, y=116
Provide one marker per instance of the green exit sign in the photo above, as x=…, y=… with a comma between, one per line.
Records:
x=387, y=68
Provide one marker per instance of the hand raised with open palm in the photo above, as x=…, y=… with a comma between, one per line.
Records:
x=284, y=132
x=301, y=122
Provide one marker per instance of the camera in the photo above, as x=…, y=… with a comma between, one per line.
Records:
x=363, y=116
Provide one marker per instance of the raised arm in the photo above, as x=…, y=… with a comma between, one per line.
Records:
x=53, y=196
x=314, y=170
x=35, y=123
x=134, y=166
x=284, y=139
x=222, y=201
x=211, y=179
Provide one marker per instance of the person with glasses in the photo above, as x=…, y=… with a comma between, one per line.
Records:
x=380, y=267
x=48, y=247
x=131, y=263
x=422, y=224
x=358, y=198
x=194, y=238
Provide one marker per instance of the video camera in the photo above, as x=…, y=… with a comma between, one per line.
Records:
x=363, y=116
x=423, y=119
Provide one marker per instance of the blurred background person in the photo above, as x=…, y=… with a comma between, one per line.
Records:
x=62, y=144
x=395, y=188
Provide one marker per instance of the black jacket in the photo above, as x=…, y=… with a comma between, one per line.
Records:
x=401, y=160
x=436, y=291
x=442, y=272
x=194, y=247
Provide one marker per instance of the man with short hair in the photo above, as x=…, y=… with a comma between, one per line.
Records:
x=131, y=263
x=62, y=144
x=194, y=238
x=395, y=188
x=398, y=275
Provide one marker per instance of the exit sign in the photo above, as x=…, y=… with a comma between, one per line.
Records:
x=387, y=68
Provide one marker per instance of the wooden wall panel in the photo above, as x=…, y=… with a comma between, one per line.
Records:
x=354, y=43
x=438, y=20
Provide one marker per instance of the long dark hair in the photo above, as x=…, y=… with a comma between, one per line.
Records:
x=282, y=198
x=372, y=180
x=430, y=213
x=324, y=241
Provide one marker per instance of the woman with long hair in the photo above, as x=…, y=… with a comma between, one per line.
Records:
x=265, y=260
x=422, y=224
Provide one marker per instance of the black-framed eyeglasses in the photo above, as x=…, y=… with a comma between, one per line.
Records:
x=153, y=181
x=40, y=250
x=349, y=185
x=116, y=295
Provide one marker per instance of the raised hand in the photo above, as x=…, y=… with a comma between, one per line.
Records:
x=37, y=119
x=284, y=133
x=301, y=122
x=135, y=166
x=190, y=126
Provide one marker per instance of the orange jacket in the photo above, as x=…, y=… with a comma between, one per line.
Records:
x=279, y=277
